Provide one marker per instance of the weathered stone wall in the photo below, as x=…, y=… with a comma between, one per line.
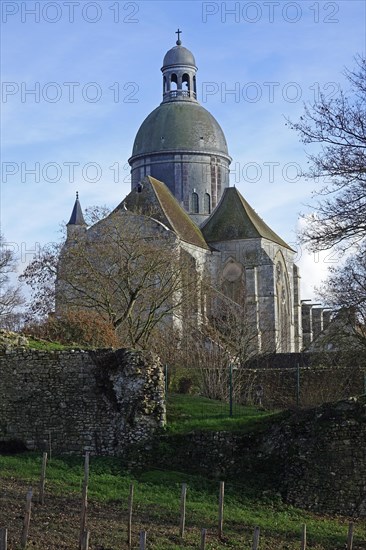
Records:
x=313, y=385
x=315, y=458
x=323, y=454
x=102, y=401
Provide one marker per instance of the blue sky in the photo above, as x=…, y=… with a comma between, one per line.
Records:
x=94, y=68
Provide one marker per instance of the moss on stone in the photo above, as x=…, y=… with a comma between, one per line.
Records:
x=234, y=218
x=155, y=200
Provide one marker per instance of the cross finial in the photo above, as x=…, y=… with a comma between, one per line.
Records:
x=178, y=32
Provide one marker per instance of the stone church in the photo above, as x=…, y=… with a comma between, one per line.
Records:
x=180, y=168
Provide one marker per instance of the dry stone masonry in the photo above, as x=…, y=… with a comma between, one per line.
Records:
x=315, y=458
x=102, y=401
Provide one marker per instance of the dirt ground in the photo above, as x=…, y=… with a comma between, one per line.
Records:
x=56, y=526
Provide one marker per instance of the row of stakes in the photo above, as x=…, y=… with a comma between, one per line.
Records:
x=85, y=533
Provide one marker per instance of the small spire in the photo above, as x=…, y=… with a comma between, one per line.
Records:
x=178, y=32
x=77, y=217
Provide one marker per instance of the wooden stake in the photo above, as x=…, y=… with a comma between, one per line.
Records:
x=183, y=510
x=129, y=524
x=85, y=540
x=256, y=538
x=142, y=540
x=27, y=517
x=350, y=537
x=203, y=539
x=3, y=539
x=43, y=479
x=303, y=538
x=50, y=444
x=221, y=509
x=84, y=503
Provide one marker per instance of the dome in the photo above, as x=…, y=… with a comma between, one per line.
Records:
x=179, y=55
x=180, y=126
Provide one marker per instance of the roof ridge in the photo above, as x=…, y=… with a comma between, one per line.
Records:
x=248, y=224
x=254, y=219
x=194, y=229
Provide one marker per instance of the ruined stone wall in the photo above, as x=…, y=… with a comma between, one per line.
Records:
x=323, y=453
x=100, y=401
x=315, y=459
x=306, y=387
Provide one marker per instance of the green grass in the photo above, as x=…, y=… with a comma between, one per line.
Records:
x=157, y=498
x=44, y=345
x=186, y=413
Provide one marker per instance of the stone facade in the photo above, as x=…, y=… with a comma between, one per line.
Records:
x=271, y=284
x=180, y=176
x=98, y=401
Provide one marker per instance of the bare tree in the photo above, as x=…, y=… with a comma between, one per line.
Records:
x=223, y=342
x=10, y=294
x=93, y=214
x=339, y=125
x=345, y=292
x=131, y=270
x=40, y=275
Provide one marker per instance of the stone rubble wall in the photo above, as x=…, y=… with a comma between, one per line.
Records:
x=314, y=385
x=101, y=401
x=323, y=451
x=315, y=458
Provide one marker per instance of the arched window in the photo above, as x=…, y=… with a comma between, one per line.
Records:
x=233, y=284
x=195, y=204
x=194, y=85
x=207, y=204
x=185, y=82
x=173, y=82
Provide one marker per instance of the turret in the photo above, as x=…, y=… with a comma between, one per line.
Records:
x=76, y=226
x=180, y=143
x=179, y=74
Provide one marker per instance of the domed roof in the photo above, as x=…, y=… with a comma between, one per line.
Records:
x=179, y=55
x=180, y=126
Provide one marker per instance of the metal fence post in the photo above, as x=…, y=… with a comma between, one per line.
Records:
x=297, y=385
x=231, y=390
x=166, y=381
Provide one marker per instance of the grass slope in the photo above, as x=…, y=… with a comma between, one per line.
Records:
x=156, y=509
x=186, y=413
x=157, y=499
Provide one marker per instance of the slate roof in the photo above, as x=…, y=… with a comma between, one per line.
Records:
x=77, y=217
x=234, y=219
x=179, y=126
x=153, y=198
x=179, y=55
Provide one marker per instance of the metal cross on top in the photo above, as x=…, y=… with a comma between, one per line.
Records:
x=178, y=32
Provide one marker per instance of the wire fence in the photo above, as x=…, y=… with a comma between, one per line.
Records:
x=135, y=524
x=233, y=388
